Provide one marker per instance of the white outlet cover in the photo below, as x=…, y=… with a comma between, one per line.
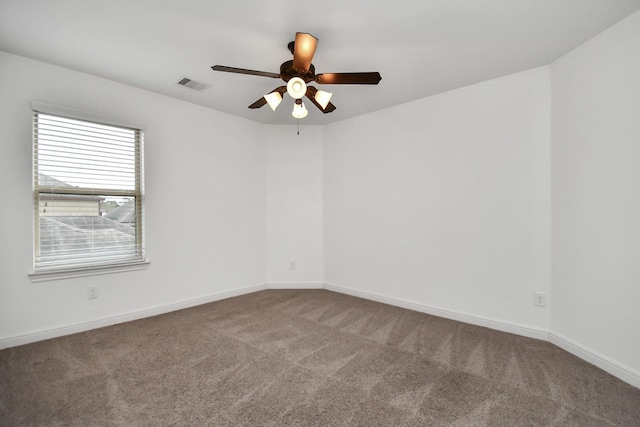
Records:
x=93, y=292
x=540, y=299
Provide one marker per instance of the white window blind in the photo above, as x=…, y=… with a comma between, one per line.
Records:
x=88, y=193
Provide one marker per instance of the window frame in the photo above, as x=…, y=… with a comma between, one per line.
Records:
x=44, y=273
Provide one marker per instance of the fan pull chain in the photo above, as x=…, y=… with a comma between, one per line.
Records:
x=298, y=126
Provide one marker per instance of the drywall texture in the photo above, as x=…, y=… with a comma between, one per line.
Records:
x=596, y=194
x=294, y=205
x=445, y=201
x=205, y=201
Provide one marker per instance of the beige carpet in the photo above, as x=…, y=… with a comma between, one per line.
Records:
x=305, y=358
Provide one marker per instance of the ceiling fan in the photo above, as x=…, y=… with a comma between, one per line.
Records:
x=300, y=71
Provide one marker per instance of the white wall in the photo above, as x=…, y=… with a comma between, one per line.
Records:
x=205, y=202
x=596, y=195
x=445, y=202
x=294, y=206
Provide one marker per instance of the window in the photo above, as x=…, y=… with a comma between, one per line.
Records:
x=88, y=193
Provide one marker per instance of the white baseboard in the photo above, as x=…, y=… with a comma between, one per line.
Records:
x=499, y=325
x=44, y=334
x=295, y=285
x=605, y=363
x=613, y=367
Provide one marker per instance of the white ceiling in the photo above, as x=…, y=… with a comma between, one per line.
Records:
x=420, y=47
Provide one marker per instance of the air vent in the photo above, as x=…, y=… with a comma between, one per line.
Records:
x=192, y=84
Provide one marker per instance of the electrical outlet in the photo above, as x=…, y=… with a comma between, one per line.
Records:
x=92, y=292
x=540, y=299
x=292, y=264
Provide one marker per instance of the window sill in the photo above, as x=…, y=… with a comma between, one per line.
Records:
x=70, y=273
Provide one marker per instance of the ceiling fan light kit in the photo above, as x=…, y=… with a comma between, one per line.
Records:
x=296, y=88
x=297, y=73
x=323, y=98
x=273, y=99
x=299, y=110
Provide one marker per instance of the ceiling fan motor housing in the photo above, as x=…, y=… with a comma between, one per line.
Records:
x=288, y=71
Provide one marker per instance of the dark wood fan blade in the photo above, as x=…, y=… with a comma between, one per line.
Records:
x=244, y=71
x=303, y=50
x=259, y=103
x=311, y=94
x=372, y=78
x=281, y=89
x=262, y=101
